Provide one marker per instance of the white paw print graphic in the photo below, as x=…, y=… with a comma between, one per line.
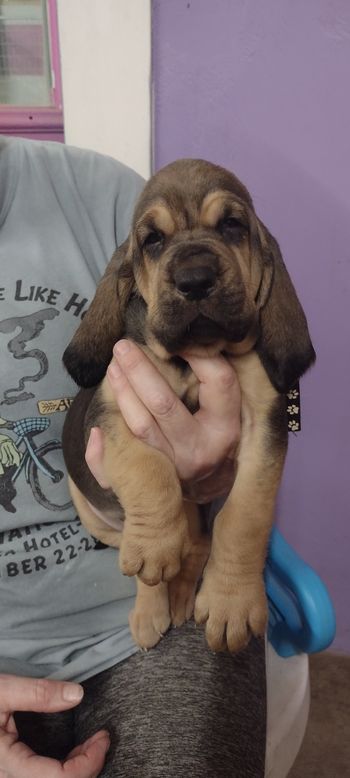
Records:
x=293, y=394
x=292, y=409
x=293, y=426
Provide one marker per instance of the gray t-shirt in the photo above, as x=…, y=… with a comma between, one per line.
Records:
x=63, y=602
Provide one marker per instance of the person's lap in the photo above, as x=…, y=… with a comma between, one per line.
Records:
x=177, y=709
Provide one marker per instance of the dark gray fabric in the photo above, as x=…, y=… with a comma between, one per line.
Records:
x=178, y=710
x=48, y=734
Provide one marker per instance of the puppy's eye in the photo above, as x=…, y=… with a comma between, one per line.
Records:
x=154, y=239
x=231, y=228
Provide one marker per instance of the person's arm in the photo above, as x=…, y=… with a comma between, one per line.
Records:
x=202, y=445
x=36, y=694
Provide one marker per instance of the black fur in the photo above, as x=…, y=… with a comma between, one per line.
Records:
x=82, y=415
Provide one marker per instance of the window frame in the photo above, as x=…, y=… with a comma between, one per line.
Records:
x=40, y=121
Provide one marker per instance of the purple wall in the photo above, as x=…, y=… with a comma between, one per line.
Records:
x=263, y=88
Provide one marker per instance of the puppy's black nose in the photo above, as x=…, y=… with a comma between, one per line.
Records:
x=195, y=283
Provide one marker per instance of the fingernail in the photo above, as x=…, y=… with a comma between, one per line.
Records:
x=103, y=737
x=122, y=347
x=72, y=692
x=114, y=369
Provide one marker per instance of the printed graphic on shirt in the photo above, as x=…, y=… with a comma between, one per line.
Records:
x=30, y=454
x=35, y=549
x=33, y=483
x=30, y=327
x=22, y=455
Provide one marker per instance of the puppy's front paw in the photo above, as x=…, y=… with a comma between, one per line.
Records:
x=232, y=611
x=154, y=554
x=182, y=593
x=150, y=619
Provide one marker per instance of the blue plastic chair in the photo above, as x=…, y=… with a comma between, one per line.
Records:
x=301, y=613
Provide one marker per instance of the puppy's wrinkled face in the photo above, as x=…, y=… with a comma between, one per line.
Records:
x=199, y=273
x=197, y=259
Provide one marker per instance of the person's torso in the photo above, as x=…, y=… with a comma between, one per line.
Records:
x=58, y=596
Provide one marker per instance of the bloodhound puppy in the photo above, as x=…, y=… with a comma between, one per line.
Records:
x=199, y=273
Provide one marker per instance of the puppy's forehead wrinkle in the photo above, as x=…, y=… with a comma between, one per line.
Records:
x=167, y=212
x=157, y=217
x=183, y=185
x=221, y=204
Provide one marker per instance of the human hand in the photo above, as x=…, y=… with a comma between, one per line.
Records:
x=35, y=694
x=202, y=446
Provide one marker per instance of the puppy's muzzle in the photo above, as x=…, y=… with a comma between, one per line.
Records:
x=195, y=278
x=195, y=283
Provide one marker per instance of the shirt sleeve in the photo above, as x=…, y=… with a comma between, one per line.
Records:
x=108, y=188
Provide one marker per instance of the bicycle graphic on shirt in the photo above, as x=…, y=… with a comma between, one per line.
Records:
x=42, y=465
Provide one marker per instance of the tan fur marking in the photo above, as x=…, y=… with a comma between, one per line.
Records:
x=95, y=526
x=232, y=600
x=244, y=347
x=213, y=208
x=155, y=532
x=158, y=606
x=162, y=219
x=150, y=618
x=182, y=588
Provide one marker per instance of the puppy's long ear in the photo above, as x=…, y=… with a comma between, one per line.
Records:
x=89, y=353
x=284, y=344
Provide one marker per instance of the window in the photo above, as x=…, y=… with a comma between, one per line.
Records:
x=30, y=84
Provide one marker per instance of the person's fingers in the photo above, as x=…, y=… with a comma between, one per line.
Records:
x=8, y=723
x=86, y=761
x=196, y=443
x=139, y=392
x=94, y=456
x=150, y=386
x=37, y=694
x=171, y=415
x=219, y=414
x=100, y=737
x=135, y=413
x=220, y=396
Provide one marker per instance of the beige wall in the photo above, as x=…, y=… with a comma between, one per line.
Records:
x=105, y=61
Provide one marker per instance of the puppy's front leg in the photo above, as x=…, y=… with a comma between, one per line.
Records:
x=155, y=535
x=150, y=618
x=183, y=588
x=232, y=598
x=95, y=526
